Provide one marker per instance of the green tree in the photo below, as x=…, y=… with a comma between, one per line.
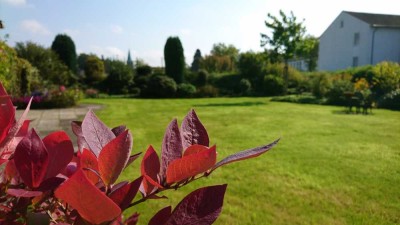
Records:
x=94, y=70
x=64, y=46
x=286, y=36
x=221, y=49
x=174, y=59
x=308, y=50
x=120, y=77
x=196, y=61
x=251, y=66
x=51, y=69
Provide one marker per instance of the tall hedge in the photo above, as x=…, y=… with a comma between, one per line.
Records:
x=64, y=46
x=174, y=59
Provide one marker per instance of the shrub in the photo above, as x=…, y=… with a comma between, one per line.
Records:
x=44, y=181
x=227, y=84
x=245, y=87
x=91, y=93
x=160, y=86
x=273, y=85
x=336, y=94
x=185, y=90
x=207, y=91
x=391, y=100
x=202, y=78
x=320, y=85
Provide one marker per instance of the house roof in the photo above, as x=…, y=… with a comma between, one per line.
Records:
x=378, y=20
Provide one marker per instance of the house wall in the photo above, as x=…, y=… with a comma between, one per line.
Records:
x=337, y=48
x=386, y=45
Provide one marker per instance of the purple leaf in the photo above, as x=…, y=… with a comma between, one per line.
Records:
x=96, y=133
x=118, y=130
x=23, y=193
x=31, y=160
x=193, y=131
x=171, y=147
x=201, y=207
x=132, y=220
x=249, y=153
x=161, y=216
x=124, y=195
x=50, y=184
x=77, y=130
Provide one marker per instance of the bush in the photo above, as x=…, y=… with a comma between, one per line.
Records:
x=185, y=90
x=245, y=87
x=301, y=99
x=320, y=85
x=227, y=84
x=44, y=181
x=273, y=85
x=336, y=94
x=202, y=78
x=159, y=86
x=91, y=93
x=391, y=100
x=207, y=91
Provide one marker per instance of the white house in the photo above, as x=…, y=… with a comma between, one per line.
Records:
x=356, y=39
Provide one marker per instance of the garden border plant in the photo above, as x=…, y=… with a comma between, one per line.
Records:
x=43, y=181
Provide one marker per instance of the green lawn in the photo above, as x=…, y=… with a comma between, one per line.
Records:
x=329, y=167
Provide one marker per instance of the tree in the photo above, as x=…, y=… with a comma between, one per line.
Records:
x=286, y=36
x=64, y=46
x=196, y=61
x=174, y=59
x=120, y=77
x=94, y=70
x=51, y=69
x=225, y=56
x=308, y=50
x=251, y=66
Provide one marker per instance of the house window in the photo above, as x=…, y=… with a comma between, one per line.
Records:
x=356, y=38
x=355, y=61
x=341, y=23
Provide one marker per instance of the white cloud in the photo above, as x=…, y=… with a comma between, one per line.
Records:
x=15, y=2
x=109, y=52
x=116, y=29
x=34, y=27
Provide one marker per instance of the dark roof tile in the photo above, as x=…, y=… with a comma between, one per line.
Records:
x=383, y=20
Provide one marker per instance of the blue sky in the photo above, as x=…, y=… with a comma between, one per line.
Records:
x=110, y=28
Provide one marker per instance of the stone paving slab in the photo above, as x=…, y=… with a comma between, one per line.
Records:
x=46, y=121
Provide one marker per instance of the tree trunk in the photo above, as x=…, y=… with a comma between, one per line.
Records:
x=286, y=77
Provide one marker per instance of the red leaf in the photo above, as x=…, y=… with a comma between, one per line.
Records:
x=191, y=165
x=89, y=160
x=124, y=195
x=7, y=112
x=249, y=153
x=77, y=130
x=96, y=133
x=60, y=150
x=114, y=156
x=23, y=193
x=92, y=204
x=193, y=149
x=161, y=217
x=201, y=207
x=31, y=160
x=171, y=147
x=150, y=167
x=193, y=131
x=50, y=184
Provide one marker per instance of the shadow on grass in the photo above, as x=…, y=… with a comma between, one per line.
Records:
x=230, y=104
x=347, y=112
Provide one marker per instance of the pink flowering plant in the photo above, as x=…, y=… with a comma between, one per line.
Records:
x=44, y=181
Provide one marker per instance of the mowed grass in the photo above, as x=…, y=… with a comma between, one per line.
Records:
x=328, y=168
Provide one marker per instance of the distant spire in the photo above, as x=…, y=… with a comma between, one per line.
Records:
x=129, y=62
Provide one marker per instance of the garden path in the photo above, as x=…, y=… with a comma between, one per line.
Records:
x=46, y=121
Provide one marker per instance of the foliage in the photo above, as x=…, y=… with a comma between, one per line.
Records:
x=273, y=85
x=196, y=61
x=94, y=70
x=391, y=100
x=251, y=66
x=286, y=36
x=207, y=91
x=64, y=46
x=119, y=79
x=202, y=78
x=217, y=63
x=143, y=70
x=245, y=87
x=159, y=86
x=54, y=98
x=227, y=84
x=229, y=54
x=51, y=69
x=91, y=93
x=185, y=90
x=44, y=180
x=336, y=94
x=301, y=99
x=174, y=59
x=387, y=77
x=308, y=50
x=320, y=84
